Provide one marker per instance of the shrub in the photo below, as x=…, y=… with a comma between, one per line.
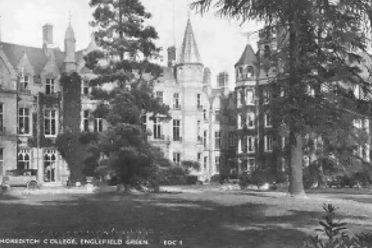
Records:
x=259, y=177
x=244, y=180
x=334, y=233
x=191, y=179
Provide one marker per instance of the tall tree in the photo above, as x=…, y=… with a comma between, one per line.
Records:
x=125, y=61
x=320, y=47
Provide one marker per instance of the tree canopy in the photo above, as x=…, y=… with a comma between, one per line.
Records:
x=323, y=79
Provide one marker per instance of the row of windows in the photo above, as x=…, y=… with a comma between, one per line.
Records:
x=50, y=86
x=217, y=160
x=247, y=97
x=50, y=121
x=248, y=144
x=176, y=100
x=248, y=120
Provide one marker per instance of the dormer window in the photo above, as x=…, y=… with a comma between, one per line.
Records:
x=250, y=72
x=23, y=83
x=49, y=86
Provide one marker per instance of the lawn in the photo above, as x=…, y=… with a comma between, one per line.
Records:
x=199, y=217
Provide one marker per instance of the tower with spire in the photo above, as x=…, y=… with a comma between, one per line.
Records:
x=70, y=61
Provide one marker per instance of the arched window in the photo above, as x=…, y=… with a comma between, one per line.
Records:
x=250, y=72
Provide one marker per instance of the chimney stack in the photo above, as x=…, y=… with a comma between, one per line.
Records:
x=48, y=36
x=171, y=56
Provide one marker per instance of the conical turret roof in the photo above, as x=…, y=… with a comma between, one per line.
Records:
x=248, y=57
x=189, y=53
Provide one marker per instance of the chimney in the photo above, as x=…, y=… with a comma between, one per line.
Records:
x=171, y=56
x=207, y=76
x=48, y=36
x=222, y=79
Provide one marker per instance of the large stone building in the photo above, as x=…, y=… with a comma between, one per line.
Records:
x=199, y=127
x=30, y=86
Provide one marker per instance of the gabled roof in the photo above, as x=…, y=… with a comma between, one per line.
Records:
x=189, y=53
x=36, y=56
x=248, y=57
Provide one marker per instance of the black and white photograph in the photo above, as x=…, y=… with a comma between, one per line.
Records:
x=186, y=123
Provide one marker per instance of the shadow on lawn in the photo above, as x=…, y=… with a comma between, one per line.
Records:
x=198, y=222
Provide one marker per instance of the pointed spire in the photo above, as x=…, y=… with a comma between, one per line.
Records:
x=69, y=34
x=189, y=53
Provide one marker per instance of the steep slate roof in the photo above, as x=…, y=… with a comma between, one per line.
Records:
x=36, y=56
x=248, y=57
x=189, y=53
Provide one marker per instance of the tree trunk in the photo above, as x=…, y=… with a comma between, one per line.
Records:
x=296, y=187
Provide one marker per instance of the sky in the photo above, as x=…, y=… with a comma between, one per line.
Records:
x=220, y=41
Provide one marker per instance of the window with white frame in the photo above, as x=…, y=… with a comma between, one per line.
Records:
x=217, y=163
x=50, y=158
x=268, y=120
x=86, y=88
x=250, y=120
x=231, y=138
x=251, y=164
x=1, y=161
x=249, y=97
x=50, y=86
x=24, y=159
x=284, y=143
x=176, y=130
x=217, y=139
x=86, y=116
x=23, y=83
x=1, y=117
x=157, y=129
x=160, y=96
x=239, y=121
x=310, y=91
x=266, y=96
x=50, y=122
x=24, y=120
x=358, y=123
x=98, y=123
x=198, y=101
x=176, y=101
x=238, y=98
x=199, y=155
x=250, y=144
x=268, y=143
x=239, y=145
x=177, y=157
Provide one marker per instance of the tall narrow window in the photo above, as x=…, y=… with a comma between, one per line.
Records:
x=250, y=120
x=144, y=122
x=205, y=138
x=1, y=161
x=205, y=114
x=176, y=157
x=49, y=86
x=157, y=129
x=98, y=123
x=217, y=162
x=86, y=115
x=86, y=88
x=205, y=162
x=268, y=120
x=198, y=131
x=268, y=143
x=199, y=155
x=251, y=164
x=217, y=139
x=23, y=83
x=24, y=158
x=250, y=144
x=239, y=121
x=160, y=96
x=24, y=121
x=50, y=165
x=176, y=130
x=50, y=122
x=198, y=101
x=176, y=101
x=266, y=96
x=1, y=117
x=239, y=145
x=231, y=138
x=249, y=97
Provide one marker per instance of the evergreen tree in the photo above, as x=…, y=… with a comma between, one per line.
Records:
x=125, y=61
x=321, y=46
